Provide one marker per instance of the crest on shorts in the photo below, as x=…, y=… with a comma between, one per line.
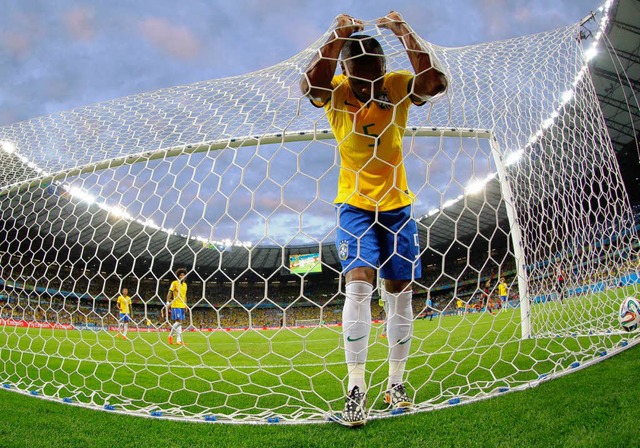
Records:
x=343, y=250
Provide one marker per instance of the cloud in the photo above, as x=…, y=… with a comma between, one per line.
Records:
x=79, y=22
x=18, y=44
x=175, y=40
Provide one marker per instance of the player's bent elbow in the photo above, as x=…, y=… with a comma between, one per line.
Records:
x=428, y=87
x=437, y=85
x=305, y=88
x=442, y=85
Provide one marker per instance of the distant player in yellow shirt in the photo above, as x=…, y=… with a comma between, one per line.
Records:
x=125, y=308
x=502, y=293
x=367, y=108
x=176, y=304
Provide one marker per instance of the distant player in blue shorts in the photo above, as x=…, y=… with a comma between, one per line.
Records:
x=367, y=108
x=124, y=306
x=502, y=292
x=176, y=306
x=428, y=305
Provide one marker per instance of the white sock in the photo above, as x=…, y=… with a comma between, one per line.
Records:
x=399, y=334
x=179, y=330
x=174, y=329
x=396, y=373
x=356, y=377
x=356, y=327
x=126, y=328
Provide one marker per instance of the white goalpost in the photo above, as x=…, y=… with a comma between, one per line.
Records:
x=527, y=240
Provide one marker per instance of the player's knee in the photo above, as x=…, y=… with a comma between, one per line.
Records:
x=396, y=286
x=360, y=274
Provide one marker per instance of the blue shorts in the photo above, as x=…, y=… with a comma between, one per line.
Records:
x=124, y=317
x=389, y=242
x=177, y=313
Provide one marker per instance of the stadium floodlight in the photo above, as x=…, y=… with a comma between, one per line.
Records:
x=8, y=147
x=449, y=203
x=591, y=53
x=513, y=158
x=118, y=212
x=81, y=194
x=566, y=96
x=475, y=187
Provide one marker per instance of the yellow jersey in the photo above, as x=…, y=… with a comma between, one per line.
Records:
x=459, y=303
x=369, y=136
x=502, y=289
x=179, y=290
x=124, y=302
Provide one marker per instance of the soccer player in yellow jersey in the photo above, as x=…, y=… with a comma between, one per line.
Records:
x=502, y=293
x=177, y=302
x=367, y=108
x=125, y=308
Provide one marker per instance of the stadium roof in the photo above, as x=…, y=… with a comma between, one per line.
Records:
x=91, y=234
x=615, y=90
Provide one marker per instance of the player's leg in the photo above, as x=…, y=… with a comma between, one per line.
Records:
x=180, y=318
x=400, y=264
x=400, y=331
x=174, y=326
x=357, y=250
x=120, y=325
x=125, y=326
x=356, y=329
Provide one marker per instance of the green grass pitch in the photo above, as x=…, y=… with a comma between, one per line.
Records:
x=299, y=373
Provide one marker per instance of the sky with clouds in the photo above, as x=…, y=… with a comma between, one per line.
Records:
x=60, y=55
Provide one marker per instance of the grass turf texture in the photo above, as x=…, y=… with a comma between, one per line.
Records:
x=594, y=407
x=300, y=371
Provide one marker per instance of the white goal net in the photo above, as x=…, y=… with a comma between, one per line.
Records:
x=233, y=180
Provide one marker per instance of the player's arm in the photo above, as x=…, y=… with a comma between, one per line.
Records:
x=429, y=81
x=316, y=80
x=169, y=300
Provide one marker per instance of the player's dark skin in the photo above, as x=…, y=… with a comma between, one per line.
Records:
x=365, y=78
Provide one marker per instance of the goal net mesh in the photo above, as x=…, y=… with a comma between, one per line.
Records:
x=233, y=179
